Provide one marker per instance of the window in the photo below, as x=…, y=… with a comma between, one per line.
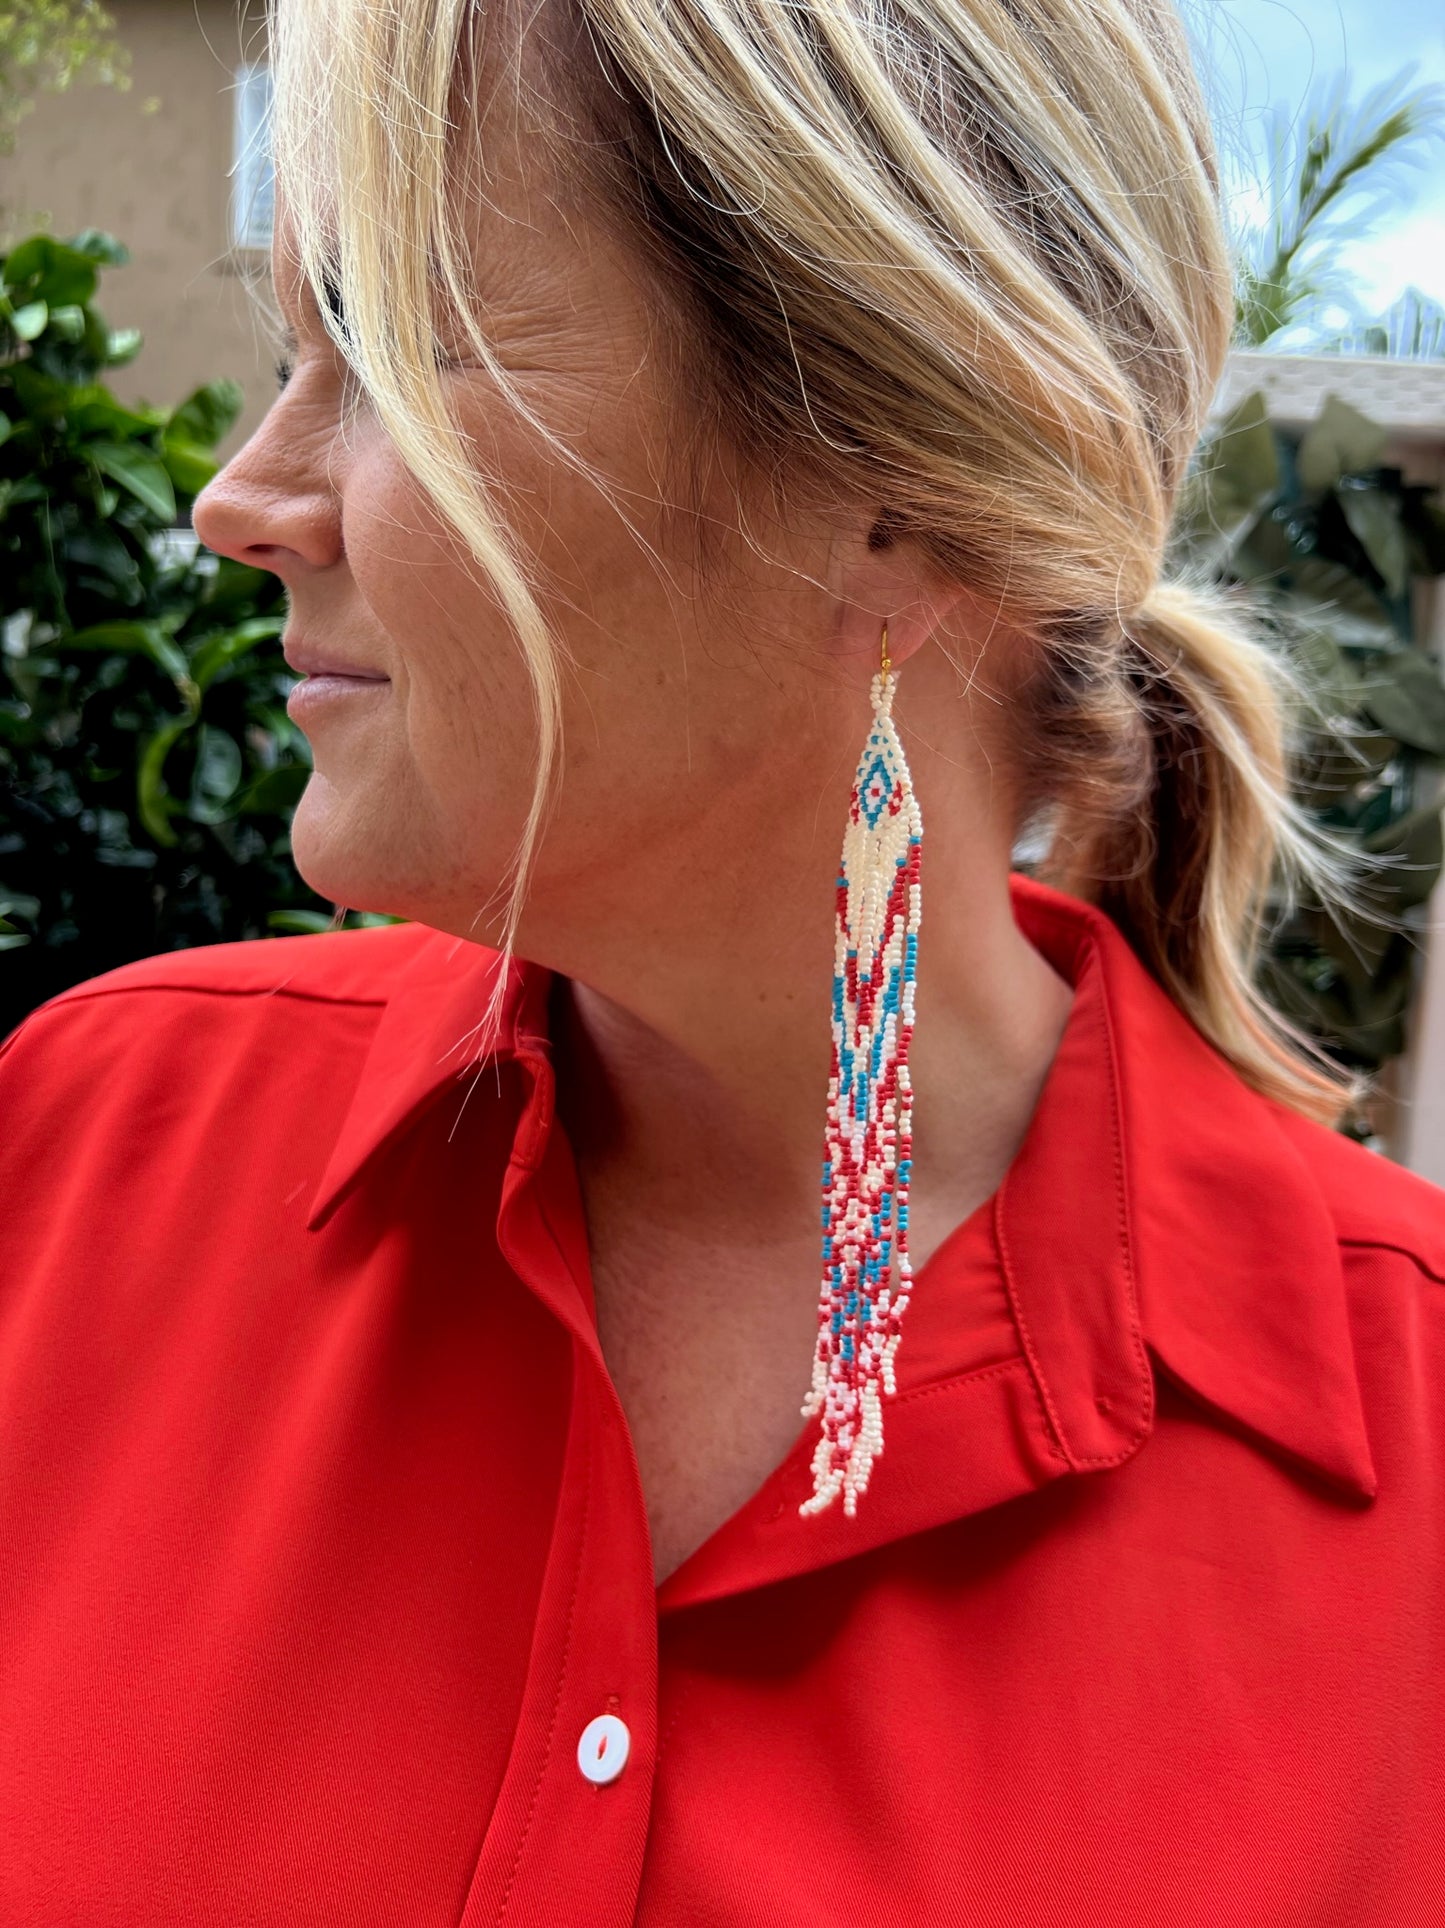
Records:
x=253, y=185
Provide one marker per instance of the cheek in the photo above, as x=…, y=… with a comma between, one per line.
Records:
x=461, y=748
x=654, y=756
x=465, y=701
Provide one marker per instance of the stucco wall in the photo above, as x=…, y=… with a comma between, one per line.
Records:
x=157, y=178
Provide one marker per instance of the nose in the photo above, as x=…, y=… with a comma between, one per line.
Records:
x=275, y=503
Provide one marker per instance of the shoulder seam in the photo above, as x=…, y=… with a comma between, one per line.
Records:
x=1404, y=1251
x=82, y=996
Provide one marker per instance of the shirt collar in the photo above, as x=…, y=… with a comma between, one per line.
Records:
x=1157, y=1206
x=1230, y=1247
x=430, y=1041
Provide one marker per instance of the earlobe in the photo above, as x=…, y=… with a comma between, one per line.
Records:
x=911, y=625
x=878, y=576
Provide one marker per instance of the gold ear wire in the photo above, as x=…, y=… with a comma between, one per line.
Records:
x=886, y=663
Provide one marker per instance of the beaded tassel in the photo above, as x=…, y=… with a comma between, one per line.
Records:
x=868, y=1145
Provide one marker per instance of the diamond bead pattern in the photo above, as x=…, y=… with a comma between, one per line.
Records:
x=868, y=1144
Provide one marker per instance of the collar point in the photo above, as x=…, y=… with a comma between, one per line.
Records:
x=335, y=1185
x=1326, y=1440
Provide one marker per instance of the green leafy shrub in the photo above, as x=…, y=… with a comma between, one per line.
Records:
x=1336, y=546
x=148, y=768
x=48, y=45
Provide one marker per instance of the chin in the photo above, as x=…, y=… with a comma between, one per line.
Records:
x=352, y=857
x=340, y=856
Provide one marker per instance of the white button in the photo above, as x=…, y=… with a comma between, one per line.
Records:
x=603, y=1749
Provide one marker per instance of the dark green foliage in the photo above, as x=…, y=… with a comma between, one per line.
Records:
x=148, y=768
x=1335, y=546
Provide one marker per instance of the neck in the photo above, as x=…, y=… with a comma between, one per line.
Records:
x=693, y=1072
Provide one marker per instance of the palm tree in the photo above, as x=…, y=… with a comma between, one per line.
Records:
x=1335, y=166
x=1412, y=328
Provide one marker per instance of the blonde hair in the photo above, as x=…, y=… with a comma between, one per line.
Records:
x=961, y=257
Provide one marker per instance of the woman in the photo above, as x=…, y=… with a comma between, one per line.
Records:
x=407, y=1511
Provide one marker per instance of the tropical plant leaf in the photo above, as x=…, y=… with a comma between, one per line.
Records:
x=1415, y=848
x=189, y=467
x=1412, y=328
x=1341, y=441
x=299, y=923
x=205, y=416
x=28, y=323
x=216, y=776
x=134, y=638
x=1374, y=519
x=1404, y=695
x=44, y=269
x=274, y=791
x=1423, y=515
x=101, y=248
x=122, y=345
x=139, y=471
x=154, y=804
x=230, y=645
x=67, y=324
x=1327, y=596
x=1234, y=475
x=95, y=411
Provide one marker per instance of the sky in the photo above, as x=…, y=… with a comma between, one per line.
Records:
x=1258, y=52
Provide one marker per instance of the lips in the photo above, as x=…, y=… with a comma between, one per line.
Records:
x=313, y=662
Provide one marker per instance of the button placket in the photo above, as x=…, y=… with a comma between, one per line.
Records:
x=565, y=1843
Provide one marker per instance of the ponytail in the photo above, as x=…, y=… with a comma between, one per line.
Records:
x=1193, y=821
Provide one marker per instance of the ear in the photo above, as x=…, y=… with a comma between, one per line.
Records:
x=876, y=577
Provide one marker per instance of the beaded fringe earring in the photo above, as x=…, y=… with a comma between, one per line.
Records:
x=868, y=1144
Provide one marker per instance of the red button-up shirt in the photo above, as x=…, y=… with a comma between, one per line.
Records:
x=321, y=1538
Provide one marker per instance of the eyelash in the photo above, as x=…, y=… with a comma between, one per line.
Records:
x=285, y=367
